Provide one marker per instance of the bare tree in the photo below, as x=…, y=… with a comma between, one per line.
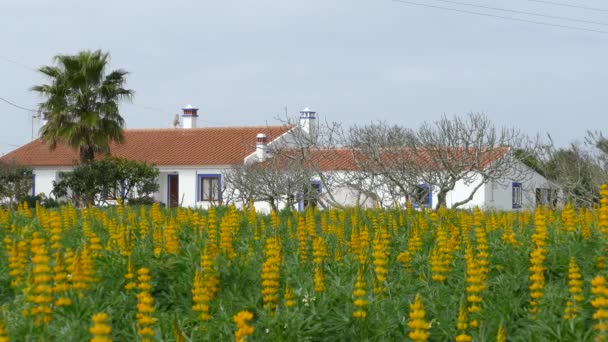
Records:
x=294, y=169
x=439, y=154
x=272, y=181
x=579, y=169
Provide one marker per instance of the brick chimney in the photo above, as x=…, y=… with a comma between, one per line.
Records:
x=261, y=146
x=189, y=116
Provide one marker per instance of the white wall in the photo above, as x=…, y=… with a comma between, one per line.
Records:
x=43, y=179
x=161, y=194
x=285, y=140
x=499, y=194
x=188, y=183
x=463, y=190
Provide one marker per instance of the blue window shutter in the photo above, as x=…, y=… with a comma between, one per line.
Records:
x=516, y=196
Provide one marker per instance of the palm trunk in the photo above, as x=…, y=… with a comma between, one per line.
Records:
x=87, y=154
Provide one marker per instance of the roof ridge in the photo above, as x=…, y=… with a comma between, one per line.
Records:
x=204, y=128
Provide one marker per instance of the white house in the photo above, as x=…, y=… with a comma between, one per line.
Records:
x=193, y=162
x=519, y=188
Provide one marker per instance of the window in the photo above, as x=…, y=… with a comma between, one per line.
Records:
x=546, y=197
x=311, y=196
x=316, y=185
x=517, y=196
x=422, y=196
x=33, y=184
x=210, y=187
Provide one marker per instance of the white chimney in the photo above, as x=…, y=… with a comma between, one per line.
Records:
x=189, y=116
x=261, y=147
x=308, y=122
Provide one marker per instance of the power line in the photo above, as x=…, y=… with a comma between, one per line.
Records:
x=504, y=17
x=8, y=144
x=17, y=63
x=525, y=12
x=136, y=105
x=16, y=105
x=570, y=5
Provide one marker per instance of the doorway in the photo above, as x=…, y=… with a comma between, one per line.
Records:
x=173, y=190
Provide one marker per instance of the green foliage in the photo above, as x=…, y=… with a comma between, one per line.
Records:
x=316, y=316
x=82, y=103
x=108, y=178
x=16, y=182
x=41, y=199
x=529, y=160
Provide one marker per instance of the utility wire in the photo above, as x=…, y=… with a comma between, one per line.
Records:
x=570, y=5
x=136, y=105
x=8, y=144
x=16, y=63
x=16, y=105
x=503, y=17
x=525, y=12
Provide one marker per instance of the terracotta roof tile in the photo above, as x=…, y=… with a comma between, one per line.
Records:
x=196, y=146
x=344, y=159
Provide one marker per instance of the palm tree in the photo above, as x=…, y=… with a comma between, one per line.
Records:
x=81, y=103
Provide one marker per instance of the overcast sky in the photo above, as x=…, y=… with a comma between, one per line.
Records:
x=243, y=62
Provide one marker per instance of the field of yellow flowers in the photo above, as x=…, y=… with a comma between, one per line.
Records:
x=392, y=274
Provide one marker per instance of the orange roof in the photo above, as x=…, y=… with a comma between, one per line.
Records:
x=173, y=146
x=324, y=159
x=344, y=159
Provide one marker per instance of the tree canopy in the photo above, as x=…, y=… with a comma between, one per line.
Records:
x=81, y=103
x=16, y=182
x=109, y=178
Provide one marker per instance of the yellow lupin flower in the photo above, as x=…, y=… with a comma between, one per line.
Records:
x=302, y=240
x=575, y=284
x=100, y=329
x=171, y=242
x=603, y=215
x=440, y=257
x=42, y=291
x=226, y=233
x=600, y=303
x=364, y=242
x=145, y=305
x=144, y=226
x=537, y=261
x=212, y=231
x=359, y=294
x=475, y=280
x=462, y=325
x=243, y=328
x=270, y=274
x=130, y=276
x=3, y=333
x=415, y=243
x=568, y=218
x=380, y=259
x=201, y=296
x=418, y=326
x=289, y=297
x=501, y=335
x=82, y=270
x=17, y=260
x=600, y=262
x=319, y=279
x=60, y=279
